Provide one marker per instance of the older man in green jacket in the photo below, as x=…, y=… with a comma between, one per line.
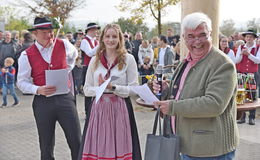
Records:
x=201, y=96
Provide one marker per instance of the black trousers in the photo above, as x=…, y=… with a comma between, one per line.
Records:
x=84, y=72
x=48, y=110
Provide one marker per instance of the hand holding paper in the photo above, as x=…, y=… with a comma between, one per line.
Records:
x=58, y=78
x=145, y=93
x=100, y=90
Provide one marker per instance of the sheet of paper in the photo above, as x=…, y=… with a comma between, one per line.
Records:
x=145, y=93
x=58, y=78
x=100, y=90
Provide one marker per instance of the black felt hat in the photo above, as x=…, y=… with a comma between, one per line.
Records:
x=43, y=23
x=250, y=31
x=92, y=25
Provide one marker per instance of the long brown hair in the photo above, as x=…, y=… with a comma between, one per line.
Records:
x=120, y=49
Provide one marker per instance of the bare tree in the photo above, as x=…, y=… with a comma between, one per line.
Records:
x=139, y=8
x=51, y=8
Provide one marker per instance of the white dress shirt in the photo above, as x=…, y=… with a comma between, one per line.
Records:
x=24, y=79
x=128, y=76
x=232, y=56
x=255, y=59
x=85, y=46
x=161, y=55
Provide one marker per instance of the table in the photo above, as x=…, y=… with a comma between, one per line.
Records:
x=140, y=102
x=240, y=108
x=247, y=107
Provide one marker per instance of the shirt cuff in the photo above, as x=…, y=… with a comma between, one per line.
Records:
x=34, y=90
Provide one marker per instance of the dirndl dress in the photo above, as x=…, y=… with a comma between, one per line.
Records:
x=110, y=131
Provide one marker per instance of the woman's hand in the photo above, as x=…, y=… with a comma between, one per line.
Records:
x=101, y=80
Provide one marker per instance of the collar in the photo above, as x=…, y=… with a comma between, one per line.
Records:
x=40, y=47
x=254, y=46
x=91, y=38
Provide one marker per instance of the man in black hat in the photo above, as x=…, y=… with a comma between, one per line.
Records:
x=248, y=58
x=49, y=54
x=89, y=46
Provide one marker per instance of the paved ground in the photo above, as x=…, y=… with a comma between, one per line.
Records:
x=19, y=139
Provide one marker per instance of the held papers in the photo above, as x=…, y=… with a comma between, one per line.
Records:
x=100, y=90
x=145, y=93
x=58, y=78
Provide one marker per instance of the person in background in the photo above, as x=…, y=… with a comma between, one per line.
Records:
x=79, y=35
x=1, y=36
x=89, y=46
x=128, y=44
x=48, y=109
x=7, y=48
x=8, y=79
x=146, y=69
x=69, y=36
x=145, y=49
x=110, y=130
x=154, y=42
x=231, y=42
x=166, y=56
x=223, y=46
x=172, y=39
x=136, y=44
x=258, y=41
x=237, y=44
x=202, y=96
x=15, y=36
x=77, y=70
x=27, y=42
x=248, y=58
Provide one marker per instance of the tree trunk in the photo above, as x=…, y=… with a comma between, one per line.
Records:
x=159, y=18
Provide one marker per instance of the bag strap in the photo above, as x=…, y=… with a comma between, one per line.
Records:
x=157, y=116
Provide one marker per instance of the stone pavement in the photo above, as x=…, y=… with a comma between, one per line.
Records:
x=19, y=139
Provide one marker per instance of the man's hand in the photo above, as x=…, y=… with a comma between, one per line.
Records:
x=46, y=90
x=157, y=87
x=245, y=52
x=164, y=106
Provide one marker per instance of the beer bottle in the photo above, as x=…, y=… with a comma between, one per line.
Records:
x=251, y=88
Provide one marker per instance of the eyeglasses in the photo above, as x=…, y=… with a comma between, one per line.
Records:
x=202, y=37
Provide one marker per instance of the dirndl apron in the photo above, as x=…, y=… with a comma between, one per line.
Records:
x=108, y=136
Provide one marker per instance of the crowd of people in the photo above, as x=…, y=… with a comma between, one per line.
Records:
x=195, y=109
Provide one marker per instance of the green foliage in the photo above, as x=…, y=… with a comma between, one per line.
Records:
x=132, y=26
x=13, y=22
x=140, y=9
x=68, y=28
x=6, y=11
x=227, y=27
x=17, y=24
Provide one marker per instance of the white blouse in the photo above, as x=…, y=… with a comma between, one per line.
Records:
x=128, y=76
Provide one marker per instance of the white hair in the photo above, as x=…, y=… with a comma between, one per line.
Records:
x=193, y=20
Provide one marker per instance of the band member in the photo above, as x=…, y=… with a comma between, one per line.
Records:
x=49, y=54
x=89, y=46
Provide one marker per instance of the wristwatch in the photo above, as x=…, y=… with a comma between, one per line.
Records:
x=113, y=88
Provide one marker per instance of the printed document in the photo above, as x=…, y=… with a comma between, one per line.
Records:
x=58, y=78
x=145, y=93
